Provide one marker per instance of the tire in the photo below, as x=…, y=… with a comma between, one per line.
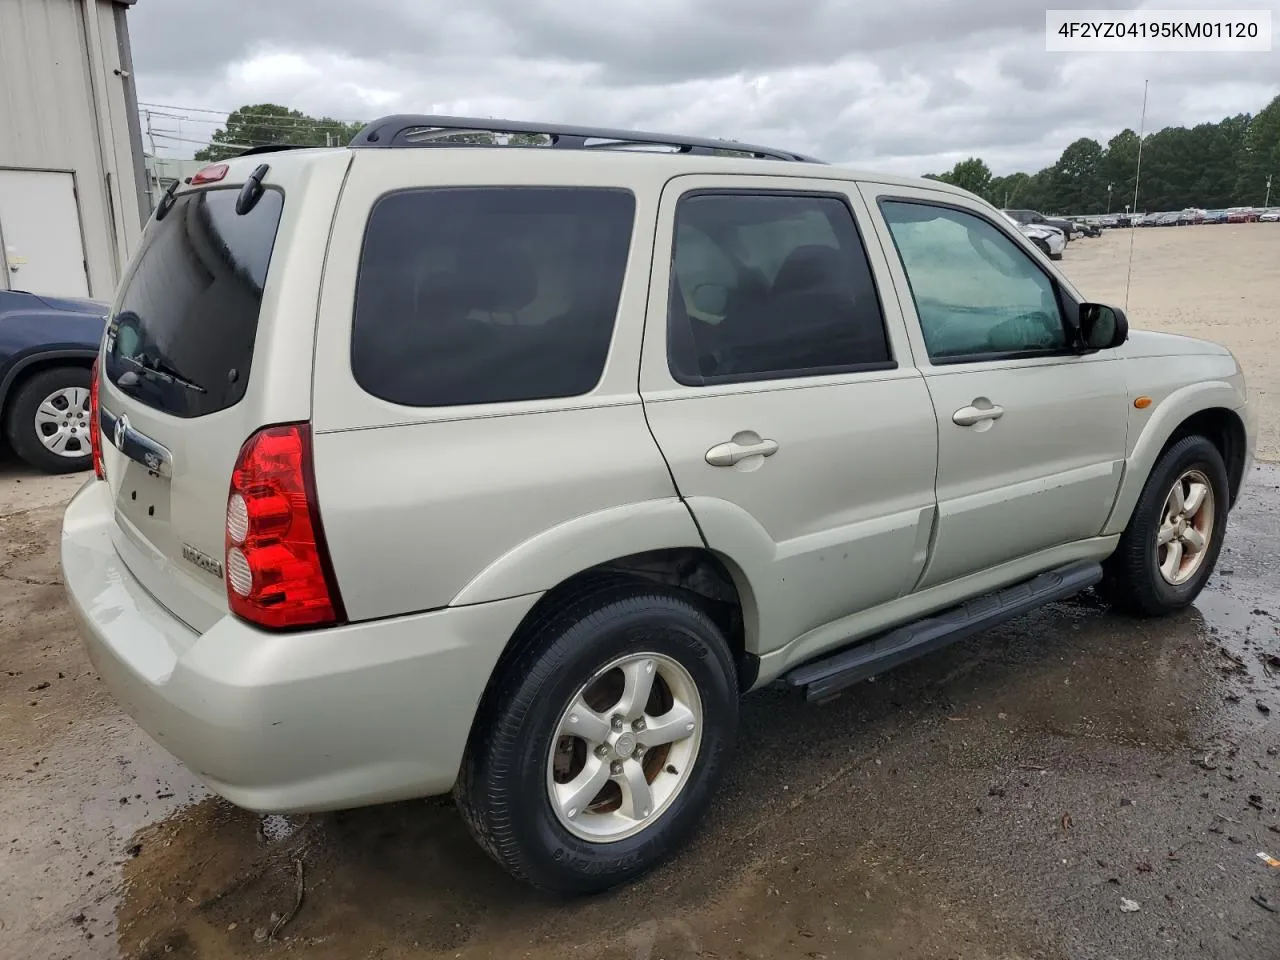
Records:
x=1044, y=247
x=1134, y=581
x=1055, y=256
x=24, y=435
x=508, y=776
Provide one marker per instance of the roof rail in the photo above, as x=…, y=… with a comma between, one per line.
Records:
x=272, y=148
x=421, y=130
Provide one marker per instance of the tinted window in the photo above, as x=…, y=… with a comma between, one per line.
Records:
x=482, y=295
x=977, y=292
x=182, y=338
x=768, y=286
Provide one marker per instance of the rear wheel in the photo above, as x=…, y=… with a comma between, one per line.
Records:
x=601, y=744
x=1168, y=551
x=47, y=420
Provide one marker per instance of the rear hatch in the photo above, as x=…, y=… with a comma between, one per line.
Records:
x=210, y=338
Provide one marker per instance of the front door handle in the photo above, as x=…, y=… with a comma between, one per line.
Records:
x=727, y=454
x=981, y=409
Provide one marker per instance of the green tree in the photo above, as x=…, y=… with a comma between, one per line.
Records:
x=1077, y=178
x=1209, y=165
x=973, y=175
x=261, y=124
x=1119, y=167
x=1260, y=156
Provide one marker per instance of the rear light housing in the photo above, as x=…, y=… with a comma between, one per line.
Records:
x=277, y=564
x=210, y=174
x=95, y=425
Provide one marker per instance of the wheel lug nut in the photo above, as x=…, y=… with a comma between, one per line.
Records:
x=616, y=767
x=638, y=725
x=602, y=751
x=616, y=723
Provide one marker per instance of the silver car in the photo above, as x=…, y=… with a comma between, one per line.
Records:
x=505, y=470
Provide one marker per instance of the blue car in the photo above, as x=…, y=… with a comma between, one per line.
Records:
x=47, y=349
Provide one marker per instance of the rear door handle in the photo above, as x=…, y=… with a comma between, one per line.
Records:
x=727, y=454
x=968, y=416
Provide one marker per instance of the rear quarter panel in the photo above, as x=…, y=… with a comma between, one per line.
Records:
x=424, y=507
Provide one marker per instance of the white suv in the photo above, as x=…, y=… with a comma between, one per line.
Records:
x=501, y=469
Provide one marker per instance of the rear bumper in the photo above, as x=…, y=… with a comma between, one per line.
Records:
x=295, y=722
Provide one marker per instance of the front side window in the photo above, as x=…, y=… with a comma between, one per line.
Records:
x=770, y=285
x=489, y=294
x=977, y=293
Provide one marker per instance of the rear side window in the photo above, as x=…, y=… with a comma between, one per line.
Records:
x=491, y=294
x=768, y=286
x=182, y=338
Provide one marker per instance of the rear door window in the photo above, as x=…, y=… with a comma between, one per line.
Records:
x=182, y=338
x=769, y=286
x=490, y=294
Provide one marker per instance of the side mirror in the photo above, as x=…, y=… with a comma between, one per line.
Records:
x=1102, y=327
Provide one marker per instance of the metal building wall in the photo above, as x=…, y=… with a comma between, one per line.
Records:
x=67, y=103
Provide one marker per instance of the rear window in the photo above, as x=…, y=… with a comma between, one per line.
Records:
x=491, y=294
x=182, y=338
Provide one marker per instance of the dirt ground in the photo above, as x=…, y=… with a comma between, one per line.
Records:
x=995, y=801
x=1219, y=282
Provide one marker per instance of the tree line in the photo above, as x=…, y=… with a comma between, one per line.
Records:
x=1210, y=165
x=263, y=124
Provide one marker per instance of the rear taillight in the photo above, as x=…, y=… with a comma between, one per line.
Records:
x=278, y=571
x=95, y=426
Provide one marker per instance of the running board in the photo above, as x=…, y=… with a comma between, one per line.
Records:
x=824, y=678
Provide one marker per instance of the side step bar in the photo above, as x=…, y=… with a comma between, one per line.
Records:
x=824, y=678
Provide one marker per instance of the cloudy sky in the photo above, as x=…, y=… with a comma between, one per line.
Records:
x=908, y=86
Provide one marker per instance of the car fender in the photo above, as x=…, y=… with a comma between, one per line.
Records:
x=577, y=545
x=1168, y=415
x=16, y=368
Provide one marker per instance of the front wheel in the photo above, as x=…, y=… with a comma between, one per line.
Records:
x=601, y=744
x=47, y=420
x=1169, y=549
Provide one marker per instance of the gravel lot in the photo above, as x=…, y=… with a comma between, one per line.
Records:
x=995, y=801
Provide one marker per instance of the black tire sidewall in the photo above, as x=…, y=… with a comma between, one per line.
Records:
x=1189, y=453
x=20, y=419
x=653, y=623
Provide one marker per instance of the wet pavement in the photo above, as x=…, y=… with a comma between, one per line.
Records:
x=1006, y=798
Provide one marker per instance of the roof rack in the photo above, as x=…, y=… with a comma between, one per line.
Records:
x=421, y=130
x=272, y=148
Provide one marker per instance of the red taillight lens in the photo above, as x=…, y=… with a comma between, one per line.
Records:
x=95, y=426
x=278, y=571
x=210, y=174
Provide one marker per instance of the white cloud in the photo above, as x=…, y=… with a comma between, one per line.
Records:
x=908, y=86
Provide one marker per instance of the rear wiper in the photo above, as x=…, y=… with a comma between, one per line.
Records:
x=154, y=366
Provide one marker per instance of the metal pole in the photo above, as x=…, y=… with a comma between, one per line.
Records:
x=1267, y=202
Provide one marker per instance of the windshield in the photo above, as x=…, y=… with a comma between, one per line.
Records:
x=182, y=337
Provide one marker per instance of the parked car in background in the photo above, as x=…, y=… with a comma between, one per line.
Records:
x=1270, y=215
x=1040, y=220
x=1191, y=215
x=1241, y=215
x=1050, y=240
x=1215, y=216
x=47, y=347
x=428, y=469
